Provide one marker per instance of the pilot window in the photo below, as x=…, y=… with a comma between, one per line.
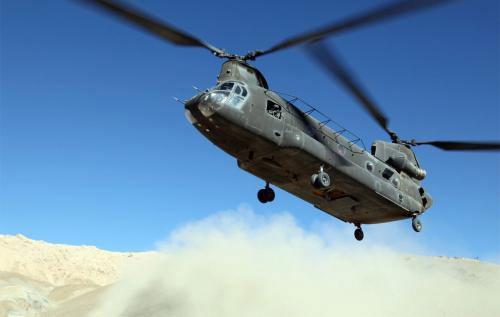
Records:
x=238, y=96
x=273, y=109
x=225, y=86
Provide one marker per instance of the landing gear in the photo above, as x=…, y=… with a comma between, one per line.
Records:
x=416, y=224
x=320, y=180
x=358, y=233
x=266, y=195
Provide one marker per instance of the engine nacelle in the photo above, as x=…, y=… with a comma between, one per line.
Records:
x=400, y=157
x=401, y=163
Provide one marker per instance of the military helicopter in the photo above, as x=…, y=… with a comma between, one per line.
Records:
x=292, y=145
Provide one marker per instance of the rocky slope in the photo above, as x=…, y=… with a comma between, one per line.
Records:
x=222, y=275
x=37, y=277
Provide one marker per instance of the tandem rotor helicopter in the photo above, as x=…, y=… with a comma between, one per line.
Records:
x=292, y=145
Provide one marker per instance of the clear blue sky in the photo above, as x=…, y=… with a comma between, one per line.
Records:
x=93, y=149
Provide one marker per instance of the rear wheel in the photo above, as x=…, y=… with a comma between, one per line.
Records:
x=416, y=224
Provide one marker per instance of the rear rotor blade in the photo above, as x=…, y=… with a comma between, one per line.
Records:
x=340, y=73
x=461, y=145
x=372, y=16
x=150, y=24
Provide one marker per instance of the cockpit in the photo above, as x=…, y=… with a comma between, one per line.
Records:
x=236, y=92
x=239, y=88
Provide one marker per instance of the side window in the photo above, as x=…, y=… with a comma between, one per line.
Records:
x=238, y=97
x=273, y=109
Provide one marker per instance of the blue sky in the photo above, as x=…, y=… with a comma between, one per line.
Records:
x=93, y=149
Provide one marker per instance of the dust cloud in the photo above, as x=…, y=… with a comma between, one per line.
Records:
x=237, y=263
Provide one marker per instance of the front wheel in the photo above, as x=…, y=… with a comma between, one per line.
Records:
x=269, y=193
x=358, y=234
x=261, y=196
x=321, y=180
x=266, y=195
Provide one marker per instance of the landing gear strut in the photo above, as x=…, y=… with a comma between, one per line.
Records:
x=320, y=180
x=358, y=233
x=416, y=224
x=266, y=195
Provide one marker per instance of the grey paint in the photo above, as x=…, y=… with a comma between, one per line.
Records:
x=286, y=151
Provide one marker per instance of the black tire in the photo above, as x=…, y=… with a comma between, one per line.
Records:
x=314, y=178
x=416, y=224
x=321, y=180
x=358, y=234
x=261, y=196
x=269, y=194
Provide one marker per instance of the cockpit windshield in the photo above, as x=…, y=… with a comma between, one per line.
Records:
x=225, y=86
x=235, y=90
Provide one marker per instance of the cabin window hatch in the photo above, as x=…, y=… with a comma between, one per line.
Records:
x=274, y=109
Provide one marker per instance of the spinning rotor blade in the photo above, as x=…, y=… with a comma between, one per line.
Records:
x=461, y=145
x=375, y=15
x=332, y=63
x=150, y=24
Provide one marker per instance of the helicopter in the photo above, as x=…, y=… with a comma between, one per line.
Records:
x=290, y=144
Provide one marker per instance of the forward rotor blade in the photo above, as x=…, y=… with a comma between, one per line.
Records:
x=340, y=73
x=372, y=16
x=461, y=145
x=150, y=24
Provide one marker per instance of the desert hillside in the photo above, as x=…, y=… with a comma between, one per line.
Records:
x=37, y=277
x=222, y=275
x=59, y=264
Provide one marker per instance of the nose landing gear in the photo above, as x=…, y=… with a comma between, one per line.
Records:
x=266, y=195
x=358, y=233
x=321, y=179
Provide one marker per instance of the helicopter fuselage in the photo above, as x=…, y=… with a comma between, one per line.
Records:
x=276, y=141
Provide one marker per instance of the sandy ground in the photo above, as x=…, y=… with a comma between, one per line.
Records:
x=268, y=270
x=43, y=279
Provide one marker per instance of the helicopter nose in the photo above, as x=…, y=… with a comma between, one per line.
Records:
x=211, y=102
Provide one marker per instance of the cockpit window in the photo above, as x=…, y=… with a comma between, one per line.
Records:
x=225, y=86
x=236, y=91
